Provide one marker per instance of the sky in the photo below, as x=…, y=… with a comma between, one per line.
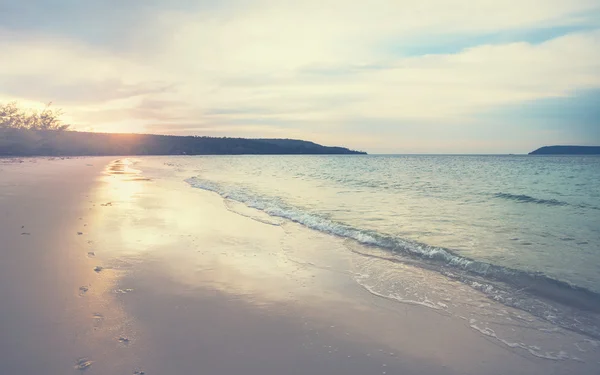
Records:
x=431, y=76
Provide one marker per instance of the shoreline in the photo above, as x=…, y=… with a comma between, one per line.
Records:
x=192, y=286
x=573, y=307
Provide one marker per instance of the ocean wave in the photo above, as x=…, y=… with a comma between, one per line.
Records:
x=522, y=198
x=441, y=259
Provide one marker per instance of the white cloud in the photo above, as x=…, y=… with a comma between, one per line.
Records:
x=305, y=64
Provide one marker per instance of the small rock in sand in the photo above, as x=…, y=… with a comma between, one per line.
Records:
x=79, y=233
x=98, y=269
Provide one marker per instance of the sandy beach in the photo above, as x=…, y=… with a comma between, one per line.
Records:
x=117, y=266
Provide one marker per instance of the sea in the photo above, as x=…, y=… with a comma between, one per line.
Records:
x=524, y=230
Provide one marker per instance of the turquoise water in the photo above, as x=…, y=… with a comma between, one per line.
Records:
x=528, y=225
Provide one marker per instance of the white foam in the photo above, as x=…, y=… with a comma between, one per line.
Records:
x=263, y=220
x=395, y=297
x=533, y=350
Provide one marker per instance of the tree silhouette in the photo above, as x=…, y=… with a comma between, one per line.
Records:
x=14, y=117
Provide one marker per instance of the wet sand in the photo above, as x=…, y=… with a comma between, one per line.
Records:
x=108, y=268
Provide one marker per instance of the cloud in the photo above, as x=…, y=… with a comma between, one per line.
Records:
x=77, y=92
x=379, y=73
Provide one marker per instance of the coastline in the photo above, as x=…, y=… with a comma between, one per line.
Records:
x=181, y=281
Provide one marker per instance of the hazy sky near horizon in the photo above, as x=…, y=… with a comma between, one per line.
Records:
x=436, y=76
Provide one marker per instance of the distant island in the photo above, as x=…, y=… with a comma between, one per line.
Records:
x=28, y=142
x=567, y=150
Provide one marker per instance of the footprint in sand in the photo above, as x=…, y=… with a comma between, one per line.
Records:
x=83, y=364
x=123, y=340
x=139, y=372
x=79, y=233
x=97, y=316
x=98, y=269
x=91, y=254
x=98, y=321
x=83, y=290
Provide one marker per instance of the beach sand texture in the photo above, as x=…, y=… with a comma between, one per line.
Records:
x=117, y=266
